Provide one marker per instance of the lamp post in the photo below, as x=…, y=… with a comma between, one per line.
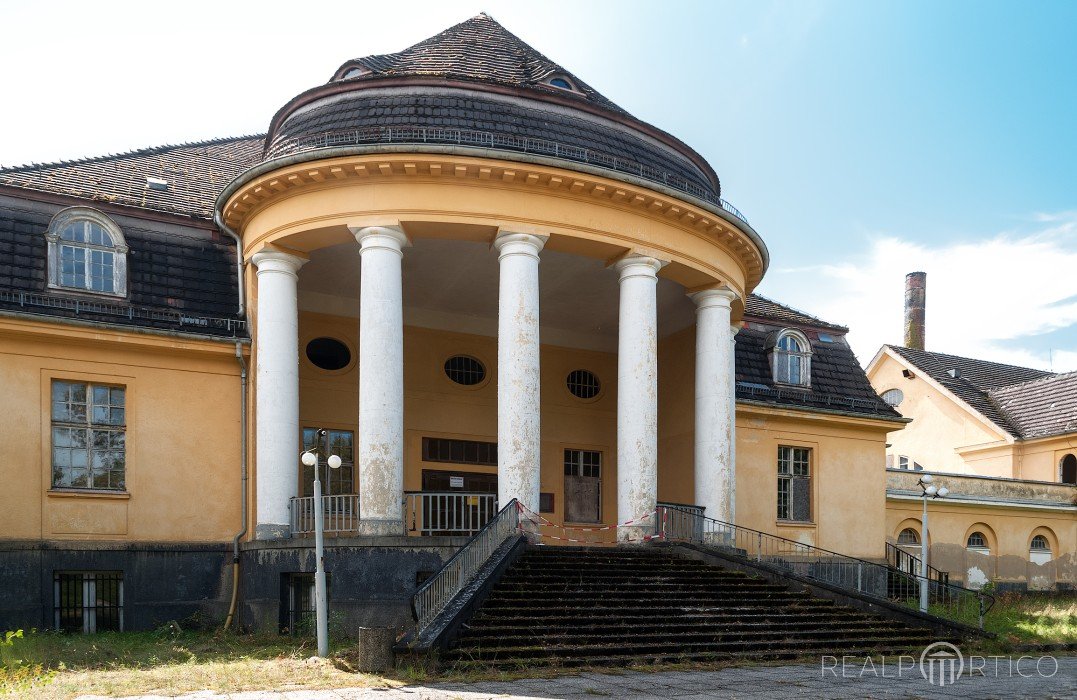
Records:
x=321, y=613
x=929, y=491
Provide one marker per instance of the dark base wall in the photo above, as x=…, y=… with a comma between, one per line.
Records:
x=161, y=582
x=371, y=579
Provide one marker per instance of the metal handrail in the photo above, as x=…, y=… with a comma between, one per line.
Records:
x=906, y=561
x=234, y=327
x=448, y=512
x=340, y=513
x=436, y=592
x=949, y=601
x=488, y=139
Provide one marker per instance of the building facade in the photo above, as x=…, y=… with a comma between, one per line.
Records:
x=458, y=268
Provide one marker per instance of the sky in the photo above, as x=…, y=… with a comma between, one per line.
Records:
x=862, y=140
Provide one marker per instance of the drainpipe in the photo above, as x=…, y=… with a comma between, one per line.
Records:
x=242, y=313
x=219, y=220
x=243, y=482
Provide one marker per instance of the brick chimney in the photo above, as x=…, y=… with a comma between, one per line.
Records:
x=915, y=308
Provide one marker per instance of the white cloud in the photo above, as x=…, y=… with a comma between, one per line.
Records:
x=981, y=296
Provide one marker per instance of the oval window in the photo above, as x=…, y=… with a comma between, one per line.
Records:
x=328, y=354
x=465, y=370
x=583, y=384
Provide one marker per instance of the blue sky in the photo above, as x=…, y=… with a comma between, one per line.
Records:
x=861, y=139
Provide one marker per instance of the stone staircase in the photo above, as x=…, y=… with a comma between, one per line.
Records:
x=561, y=606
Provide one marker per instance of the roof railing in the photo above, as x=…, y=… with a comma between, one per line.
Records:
x=507, y=142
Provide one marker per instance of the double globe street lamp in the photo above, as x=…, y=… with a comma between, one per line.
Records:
x=321, y=613
x=929, y=491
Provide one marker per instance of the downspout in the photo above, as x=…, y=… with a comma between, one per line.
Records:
x=243, y=482
x=242, y=312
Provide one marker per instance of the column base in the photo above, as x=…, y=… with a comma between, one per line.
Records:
x=634, y=534
x=272, y=531
x=381, y=528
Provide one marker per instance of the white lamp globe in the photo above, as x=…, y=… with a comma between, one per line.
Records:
x=943, y=491
x=927, y=478
x=930, y=490
x=309, y=459
x=334, y=461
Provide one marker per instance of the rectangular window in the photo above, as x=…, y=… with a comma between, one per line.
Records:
x=583, y=463
x=334, y=481
x=297, y=605
x=459, y=451
x=88, y=601
x=794, y=484
x=88, y=436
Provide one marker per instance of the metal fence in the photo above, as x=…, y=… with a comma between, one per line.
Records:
x=83, y=307
x=340, y=514
x=447, y=512
x=910, y=563
x=436, y=592
x=948, y=601
x=506, y=142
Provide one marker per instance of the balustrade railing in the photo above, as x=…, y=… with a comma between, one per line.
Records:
x=908, y=562
x=947, y=600
x=340, y=514
x=447, y=512
x=436, y=592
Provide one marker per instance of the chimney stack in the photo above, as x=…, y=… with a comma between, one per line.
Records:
x=915, y=308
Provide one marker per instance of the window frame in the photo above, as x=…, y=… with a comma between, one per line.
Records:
x=324, y=449
x=91, y=427
x=787, y=478
x=88, y=614
x=55, y=245
x=778, y=354
x=915, y=538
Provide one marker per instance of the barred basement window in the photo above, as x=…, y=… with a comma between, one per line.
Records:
x=459, y=451
x=465, y=370
x=794, y=484
x=88, y=601
x=88, y=436
x=583, y=384
x=297, y=605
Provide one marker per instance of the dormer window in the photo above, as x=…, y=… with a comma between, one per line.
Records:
x=354, y=72
x=562, y=83
x=87, y=253
x=790, y=359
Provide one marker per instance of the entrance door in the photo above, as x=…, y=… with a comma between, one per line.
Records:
x=583, y=486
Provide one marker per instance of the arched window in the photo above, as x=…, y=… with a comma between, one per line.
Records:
x=894, y=397
x=562, y=83
x=977, y=542
x=908, y=536
x=1067, y=469
x=790, y=359
x=87, y=253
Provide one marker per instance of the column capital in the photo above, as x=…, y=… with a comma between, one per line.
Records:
x=708, y=298
x=638, y=266
x=277, y=261
x=386, y=237
x=510, y=243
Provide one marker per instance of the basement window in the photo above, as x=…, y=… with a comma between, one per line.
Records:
x=88, y=601
x=297, y=603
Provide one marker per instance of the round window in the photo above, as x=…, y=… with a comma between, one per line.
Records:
x=894, y=397
x=583, y=384
x=328, y=353
x=465, y=370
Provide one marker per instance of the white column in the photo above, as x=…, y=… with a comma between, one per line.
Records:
x=277, y=392
x=714, y=415
x=637, y=394
x=518, y=405
x=381, y=381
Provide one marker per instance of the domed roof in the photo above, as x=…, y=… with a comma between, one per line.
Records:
x=476, y=86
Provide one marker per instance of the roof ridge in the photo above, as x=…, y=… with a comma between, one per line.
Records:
x=148, y=150
x=936, y=354
x=1022, y=385
x=796, y=310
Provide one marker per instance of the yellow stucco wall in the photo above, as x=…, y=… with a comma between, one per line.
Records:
x=940, y=426
x=183, y=420
x=1009, y=532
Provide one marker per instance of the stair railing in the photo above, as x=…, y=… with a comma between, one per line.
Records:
x=947, y=600
x=910, y=563
x=435, y=593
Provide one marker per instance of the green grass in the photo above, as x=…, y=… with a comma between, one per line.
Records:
x=1032, y=618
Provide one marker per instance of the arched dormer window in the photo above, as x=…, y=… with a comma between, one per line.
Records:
x=562, y=83
x=790, y=358
x=87, y=253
